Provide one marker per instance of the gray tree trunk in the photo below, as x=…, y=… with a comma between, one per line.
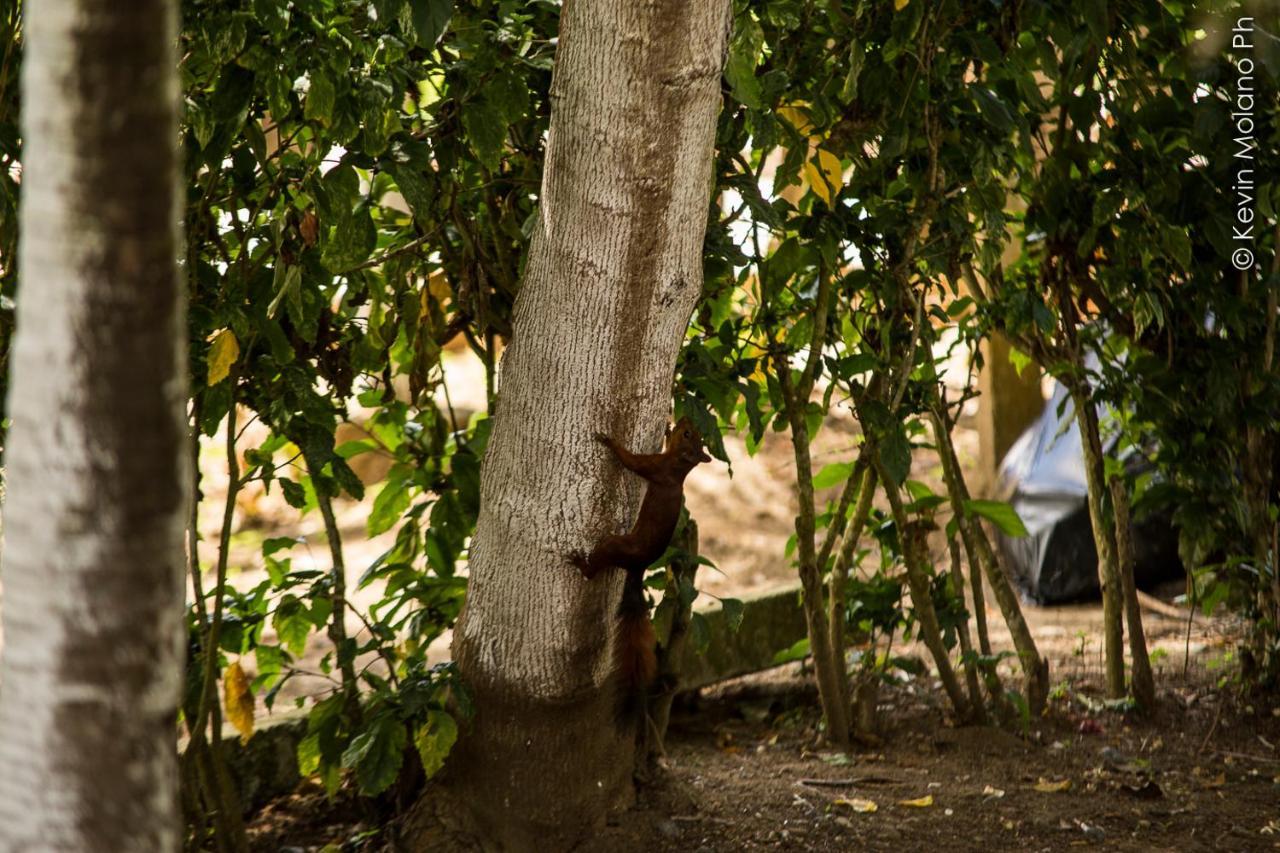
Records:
x=614, y=271
x=96, y=467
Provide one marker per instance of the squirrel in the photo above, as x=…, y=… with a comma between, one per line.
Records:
x=635, y=663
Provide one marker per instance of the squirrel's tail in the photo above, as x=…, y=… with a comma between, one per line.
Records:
x=636, y=664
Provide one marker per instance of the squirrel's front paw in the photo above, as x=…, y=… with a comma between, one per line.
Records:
x=602, y=438
x=579, y=559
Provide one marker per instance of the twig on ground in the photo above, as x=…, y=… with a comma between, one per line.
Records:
x=846, y=783
x=1213, y=728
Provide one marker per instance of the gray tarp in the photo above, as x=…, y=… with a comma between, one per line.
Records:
x=1043, y=477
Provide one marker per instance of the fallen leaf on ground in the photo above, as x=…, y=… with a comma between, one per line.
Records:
x=919, y=803
x=859, y=806
x=992, y=793
x=1044, y=786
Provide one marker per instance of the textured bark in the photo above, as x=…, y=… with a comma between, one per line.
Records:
x=1108, y=567
x=614, y=271
x=982, y=561
x=914, y=540
x=970, y=666
x=683, y=569
x=836, y=597
x=832, y=690
x=1142, y=681
x=96, y=457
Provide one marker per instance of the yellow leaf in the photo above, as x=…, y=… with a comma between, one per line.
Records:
x=825, y=176
x=797, y=117
x=239, y=700
x=859, y=806
x=899, y=5
x=438, y=285
x=921, y=803
x=1044, y=786
x=223, y=354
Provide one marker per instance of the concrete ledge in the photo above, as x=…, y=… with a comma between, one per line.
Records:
x=267, y=766
x=771, y=621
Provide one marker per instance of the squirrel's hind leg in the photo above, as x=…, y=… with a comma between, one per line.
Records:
x=613, y=552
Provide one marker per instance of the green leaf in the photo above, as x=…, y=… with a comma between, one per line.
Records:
x=699, y=632
x=849, y=90
x=734, y=610
x=352, y=242
x=414, y=188
x=321, y=609
x=340, y=189
x=351, y=449
x=993, y=109
x=919, y=491
x=1018, y=359
x=278, y=543
x=509, y=96
x=486, y=131
x=288, y=283
x=833, y=474
x=999, y=513
x=321, y=96
x=376, y=755
x=294, y=494
x=309, y=754
x=389, y=505
x=895, y=453
x=430, y=17
x=797, y=651
x=1147, y=311
x=434, y=739
x=740, y=67
x=277, y=571
x=293, y=624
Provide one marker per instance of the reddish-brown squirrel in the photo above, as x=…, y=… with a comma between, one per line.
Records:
x=635, y=662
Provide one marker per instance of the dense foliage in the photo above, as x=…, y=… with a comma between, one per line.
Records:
x=357, y=193
x=893, y=181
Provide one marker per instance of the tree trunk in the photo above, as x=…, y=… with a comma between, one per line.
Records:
x=683, y=569
x=828, y=661
x=96, y=458
x=983, y=562
x=1142, y=682
x=1108, y=567
x=614, y=271
x=913, y=537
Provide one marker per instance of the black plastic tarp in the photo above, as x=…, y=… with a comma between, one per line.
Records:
x=1043, y=477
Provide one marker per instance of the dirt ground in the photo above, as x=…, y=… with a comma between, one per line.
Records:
x=746, y=770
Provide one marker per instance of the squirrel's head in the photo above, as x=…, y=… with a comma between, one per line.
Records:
x=684, y=439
